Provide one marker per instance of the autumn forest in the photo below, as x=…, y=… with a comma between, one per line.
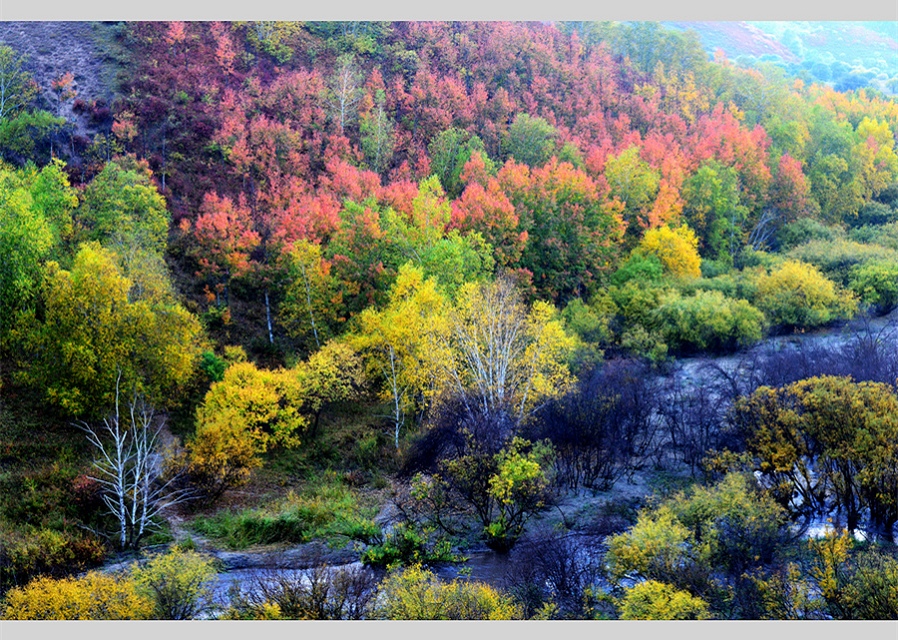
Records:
x=478, y=320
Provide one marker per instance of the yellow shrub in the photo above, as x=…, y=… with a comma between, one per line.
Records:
x=652, y=600
x=417, y=594
x=798, y=295
x=96, y=596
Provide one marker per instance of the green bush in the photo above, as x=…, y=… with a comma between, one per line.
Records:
x=836, y=258
x=875, y=214
x=708, y=320
x=588, y=323
x=644, y=343
x=639, y=267
x=797, y=295
x=736, y=285
x=749, y=259
x=24, y=555
x=885, y=235
x=876, y=284
x=177, y=582
x=327, y=511
x=805, y=230
x=406, y=544
x=636, y=300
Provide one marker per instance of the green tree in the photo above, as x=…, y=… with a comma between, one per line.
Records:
x=26, y=240
x=17, y=88
x=378, y=136
x=422, y=238
x=123, y=210
x=531, y=140
x=20, y=127
x=93, y=331
x=450, y=151
x=712, y=207
x=634, y=184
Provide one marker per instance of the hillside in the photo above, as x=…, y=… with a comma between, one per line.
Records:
x=480, y=320
x=847, y=55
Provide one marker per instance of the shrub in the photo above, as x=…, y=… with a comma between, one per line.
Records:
x=876, y=284
x=320, y=593
x=177, y=583
x=708, y=320
x=603, y=429
x=407, y=544
x=639, y=267
x=589, y=323
x=874, y=214
x=644, y=343
x=652, y=600
x=96, y=596
x=856, y=584
x=657, y=547
x=885, y=235
x=805, y=230
x=798, y=295
x=636, y=300
x=46, y=551
x=725, y=529
x=505, y=489
x=417, y=594
x=836, y=258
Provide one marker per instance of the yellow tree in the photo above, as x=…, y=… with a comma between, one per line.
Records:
x=501, y=357
x=98, y=326
x=876, y=154
x=334, y=373
x=677, y=249
x=248, y=412
x=397, y=343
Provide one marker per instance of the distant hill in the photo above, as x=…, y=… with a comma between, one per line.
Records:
x=845, y=55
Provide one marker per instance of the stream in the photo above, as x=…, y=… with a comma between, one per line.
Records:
x=242, y=569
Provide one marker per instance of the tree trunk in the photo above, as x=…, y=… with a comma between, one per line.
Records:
x=268, y=319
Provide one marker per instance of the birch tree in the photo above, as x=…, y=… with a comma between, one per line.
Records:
x=129, y=468
x=345, y=90
x=504, y=359
x=398, y=346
